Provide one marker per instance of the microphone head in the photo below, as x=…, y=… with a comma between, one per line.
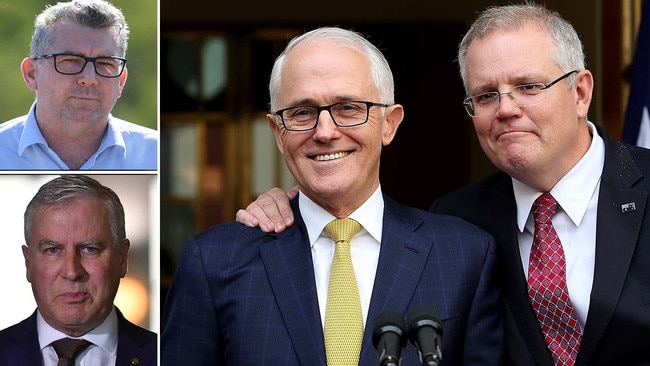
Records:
x=389, y=321
x=425, y=333
x=424, y=315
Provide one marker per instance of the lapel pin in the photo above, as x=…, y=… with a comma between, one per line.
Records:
x=628, y=207
x=135, y=361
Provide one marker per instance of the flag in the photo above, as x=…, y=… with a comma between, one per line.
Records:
x=636, y=129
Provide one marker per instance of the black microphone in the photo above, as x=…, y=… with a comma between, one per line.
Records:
x=389, y=337
x=425, y=332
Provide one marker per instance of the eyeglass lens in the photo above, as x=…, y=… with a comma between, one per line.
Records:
x=343, y=114
x=73, y=64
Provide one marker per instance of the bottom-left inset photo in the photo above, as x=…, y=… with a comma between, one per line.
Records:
x=80, y=262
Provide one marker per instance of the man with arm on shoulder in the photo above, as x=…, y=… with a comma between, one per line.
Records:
x=332, y=97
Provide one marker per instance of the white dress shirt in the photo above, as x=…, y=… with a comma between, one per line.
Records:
x=364, y=247
x=103, y=351
x=575, y=221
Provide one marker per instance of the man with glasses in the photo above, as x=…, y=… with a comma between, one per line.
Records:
x=77, y=68
x=242, y=297
x=523, y=69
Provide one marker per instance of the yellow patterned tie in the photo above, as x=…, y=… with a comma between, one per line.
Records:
x=343, y=321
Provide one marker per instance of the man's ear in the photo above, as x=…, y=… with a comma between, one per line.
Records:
x=28, y=68
x=28, y=257
x=394, y=116
x=124, y=256
x=277, y=132
x=584, y=84
x=123, y=77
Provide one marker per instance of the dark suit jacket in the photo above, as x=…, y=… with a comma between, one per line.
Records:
x=19, y=344
x=617, y=329
x=243, y=297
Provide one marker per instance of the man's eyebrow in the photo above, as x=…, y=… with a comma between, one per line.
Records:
x=45, y=242
x=518, y=80
x=312, y=102
x=89, y=242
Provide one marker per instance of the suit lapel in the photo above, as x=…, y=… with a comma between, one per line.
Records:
x=390, y=291
x=25, y=349
x=499, y=208
x=288, y=263
x=614, y=248
x=135, y=346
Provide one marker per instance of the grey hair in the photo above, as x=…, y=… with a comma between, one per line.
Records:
x=568, y=53
x=380, y=71
x=66, y=189
x=98, y=14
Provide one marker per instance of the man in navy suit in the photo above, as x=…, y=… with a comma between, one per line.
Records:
x=547, y=145
x=241, y=296
x=76, y=252
x=599, y=183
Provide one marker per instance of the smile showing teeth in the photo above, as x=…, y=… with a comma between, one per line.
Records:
x=331, y=156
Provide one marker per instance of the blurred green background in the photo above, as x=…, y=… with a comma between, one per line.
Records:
x=139, y=101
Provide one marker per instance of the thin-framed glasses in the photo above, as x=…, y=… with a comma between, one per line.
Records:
x=524, y=95
x=72, y=64
x=344, y=114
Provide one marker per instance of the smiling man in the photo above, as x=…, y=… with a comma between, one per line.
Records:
x=332, y=112
x=77, y=69
x=577, y=294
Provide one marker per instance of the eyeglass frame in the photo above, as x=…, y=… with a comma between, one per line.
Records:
x=86, y=61
x=468, y=101
x=328, y=108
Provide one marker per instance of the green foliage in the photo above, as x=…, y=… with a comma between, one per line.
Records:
x=139, y=101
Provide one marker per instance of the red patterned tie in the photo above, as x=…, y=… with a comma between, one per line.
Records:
x=547, y=286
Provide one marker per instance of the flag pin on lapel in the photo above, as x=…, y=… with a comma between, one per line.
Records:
x=628, y=207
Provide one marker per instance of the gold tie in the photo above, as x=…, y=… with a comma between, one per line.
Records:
x=343, y=321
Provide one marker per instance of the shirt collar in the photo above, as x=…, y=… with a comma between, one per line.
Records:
x=32, y=135
x=570, y=191
x=112, y=137
x=104, y=336
x=369, y=215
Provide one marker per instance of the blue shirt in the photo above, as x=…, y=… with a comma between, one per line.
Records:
x=125, y=146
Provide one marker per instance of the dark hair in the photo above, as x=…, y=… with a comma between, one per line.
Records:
x=97, y=14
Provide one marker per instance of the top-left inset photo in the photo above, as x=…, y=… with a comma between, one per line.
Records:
x=66, y=103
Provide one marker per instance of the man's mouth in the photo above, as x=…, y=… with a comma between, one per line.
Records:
x=337, y=155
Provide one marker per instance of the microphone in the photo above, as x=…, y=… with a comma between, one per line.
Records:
x=389, y=337
x=425, y=332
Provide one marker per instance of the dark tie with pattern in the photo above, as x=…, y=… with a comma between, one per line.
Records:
x=547, y=286
x=68, y=349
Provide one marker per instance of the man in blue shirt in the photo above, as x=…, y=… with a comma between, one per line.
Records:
x=70, y=125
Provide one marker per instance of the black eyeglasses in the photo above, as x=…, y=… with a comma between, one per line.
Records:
x=72, y=64
x=523, y=95
x=344, y=114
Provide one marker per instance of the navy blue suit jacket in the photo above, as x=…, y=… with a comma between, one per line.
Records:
x=243, y=297
x=19, y=344
x=617, y=329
